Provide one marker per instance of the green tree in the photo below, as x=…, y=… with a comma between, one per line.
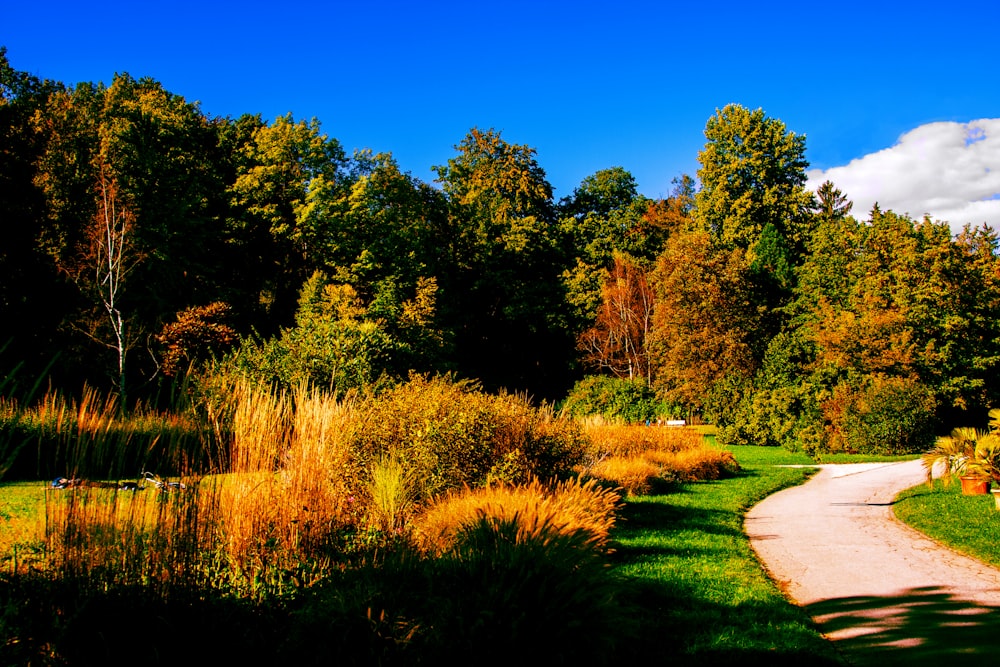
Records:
x=502, y=293
x=340, y=342
x=392, y=227
x=601, y=193
x=290, y=182
x=752, y=175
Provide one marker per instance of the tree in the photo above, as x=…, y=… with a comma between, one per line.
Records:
x=502, y=294
x=340, y=342
x=156, y=153
x=704, y=318
x=32, y=292
x=291, y=181
x=112, y=255
x=752, y=175
x=832, y=203
x=601, y=193
x=196, y=333
x=392, y=227
x=673, y=214
x=826, y=270
x=619, y=340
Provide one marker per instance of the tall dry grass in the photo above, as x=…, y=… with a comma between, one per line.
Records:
x=275, y=492
x=294, y=478
x=567, y=507
x=648, y=459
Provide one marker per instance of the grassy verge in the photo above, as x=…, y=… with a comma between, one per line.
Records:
x=970, y=524
x=706, y=597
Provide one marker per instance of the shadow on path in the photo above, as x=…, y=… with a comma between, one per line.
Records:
x=921, y=626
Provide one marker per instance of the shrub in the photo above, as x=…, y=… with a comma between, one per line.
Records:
x=615, y=399
x=452, y=434
x=887, y=416
x=642, y=460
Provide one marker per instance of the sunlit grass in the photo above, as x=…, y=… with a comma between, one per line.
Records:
x=22, y=524
x=970, y=524
x=562, y=508
x=690, y=560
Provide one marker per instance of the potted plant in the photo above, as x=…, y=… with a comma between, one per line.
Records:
x=969, y=454
x=989, y=454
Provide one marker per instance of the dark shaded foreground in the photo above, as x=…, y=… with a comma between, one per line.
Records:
x=920, y=626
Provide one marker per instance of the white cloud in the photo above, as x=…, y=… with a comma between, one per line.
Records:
x=950, y=171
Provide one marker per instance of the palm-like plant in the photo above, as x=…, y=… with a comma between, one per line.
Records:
x=967, y=451
x=953, y=453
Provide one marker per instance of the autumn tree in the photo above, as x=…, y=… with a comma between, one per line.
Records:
x=112, y=256
x=704, y=320
x=196, y=334
x=601, y=219
x=891, y=335
x=618, y=342
x=155, y=151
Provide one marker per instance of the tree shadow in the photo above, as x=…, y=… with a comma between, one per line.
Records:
x=922, y=626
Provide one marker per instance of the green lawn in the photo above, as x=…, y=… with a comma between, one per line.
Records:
x=970, y=524
x=707, y=598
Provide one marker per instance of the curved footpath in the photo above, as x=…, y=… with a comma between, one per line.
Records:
x=884, y=593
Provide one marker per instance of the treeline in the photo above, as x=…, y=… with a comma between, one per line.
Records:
x=142, y=236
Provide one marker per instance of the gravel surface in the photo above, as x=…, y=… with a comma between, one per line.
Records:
x=883, y=592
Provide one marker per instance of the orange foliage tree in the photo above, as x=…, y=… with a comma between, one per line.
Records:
x=619, y=340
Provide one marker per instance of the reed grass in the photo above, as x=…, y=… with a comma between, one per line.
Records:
x=392, y=494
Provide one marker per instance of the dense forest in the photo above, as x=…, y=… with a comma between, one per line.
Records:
x=144, y=240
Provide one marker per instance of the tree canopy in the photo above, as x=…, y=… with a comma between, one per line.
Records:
x=741, y=297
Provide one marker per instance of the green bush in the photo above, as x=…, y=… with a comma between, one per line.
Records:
x=340, y=342
x=615, y=399
x=887, y=416
x=450, y=433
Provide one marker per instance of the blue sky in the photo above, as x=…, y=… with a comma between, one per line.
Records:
x=588, y=85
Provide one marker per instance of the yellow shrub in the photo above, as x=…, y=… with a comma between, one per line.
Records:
x=630, y=439
x=692, y=465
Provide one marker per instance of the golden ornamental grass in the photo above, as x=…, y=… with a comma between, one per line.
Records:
x=630, y=439
x=694, y=465
x=568, y=507
x=635, y=475
x=642, y=459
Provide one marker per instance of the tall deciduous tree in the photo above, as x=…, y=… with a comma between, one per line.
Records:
x=291, y=182
x=502, y=293
x=112, y=256
x=603, y=217
x=704, y=320
x=752, y=175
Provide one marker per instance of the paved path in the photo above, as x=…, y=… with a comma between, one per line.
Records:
x=884, y=593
